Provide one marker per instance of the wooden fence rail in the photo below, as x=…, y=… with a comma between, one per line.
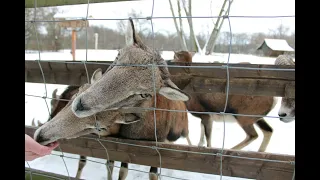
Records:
x=202, y=79
x=48, y=3
x=43, y=175
x=182, y=157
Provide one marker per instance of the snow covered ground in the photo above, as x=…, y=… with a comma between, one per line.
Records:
x=282, y=141
x=109, y=55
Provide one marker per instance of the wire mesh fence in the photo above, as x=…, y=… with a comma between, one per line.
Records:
x=154, y=65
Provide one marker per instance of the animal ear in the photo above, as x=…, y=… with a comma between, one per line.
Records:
x=128, y=119
x=132, y=37
x=175, y=56
x=39, y=123
x=96, y=75
x=130, y=33
x=54, y=94
x=32, y=122
x=172, y=92
x=55, y=97
x=123, y=121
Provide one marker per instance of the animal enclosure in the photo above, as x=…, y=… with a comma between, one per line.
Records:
x=195, y=79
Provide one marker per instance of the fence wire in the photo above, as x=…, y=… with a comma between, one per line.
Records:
x=161, y=17
x=153, y=66
x=44, y=81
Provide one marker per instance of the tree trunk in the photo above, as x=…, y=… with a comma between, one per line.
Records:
x=194, y=45
x=215, y=32
x=179, y=32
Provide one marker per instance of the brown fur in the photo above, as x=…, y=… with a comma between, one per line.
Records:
x=57, y=104
x=124, y=86
x=177, y=122
x=238, y=104
x=167, y=122
x=114, y=97
x=183, y=57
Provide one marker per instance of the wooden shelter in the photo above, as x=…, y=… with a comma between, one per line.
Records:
x=275, y=47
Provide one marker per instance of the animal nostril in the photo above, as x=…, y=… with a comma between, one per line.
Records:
x=282, y=114
x=39, y=138
x=80, y=106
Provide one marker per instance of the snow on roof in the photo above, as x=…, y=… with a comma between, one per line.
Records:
x=277, y=45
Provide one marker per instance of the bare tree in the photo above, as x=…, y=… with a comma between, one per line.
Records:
x=280, y=32
x=53, y=36
x=209, y=47
x=179, y=29
x=194, y=44
x=28, y=29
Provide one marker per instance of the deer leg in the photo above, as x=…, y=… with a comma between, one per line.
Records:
x=167, y=141
x=185, y=134
x=207, y=123
x=251, y=135
x=267, y=133
x=153, y=173
x=123, y=171
x=82, y=163
x=189, y=141
x=110, y=165
x=201, y=142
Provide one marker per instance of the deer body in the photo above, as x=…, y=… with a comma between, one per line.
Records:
x=112, y=99
x=170, y=125
x=237, y=104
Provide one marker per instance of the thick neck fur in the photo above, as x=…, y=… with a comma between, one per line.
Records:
x=167, y=122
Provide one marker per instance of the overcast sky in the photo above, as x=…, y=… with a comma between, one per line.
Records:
x=199, y=8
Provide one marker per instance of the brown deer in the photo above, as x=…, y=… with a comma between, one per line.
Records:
x=170, y=127
x=56, y=106
x=126, y=88
x=239, y=104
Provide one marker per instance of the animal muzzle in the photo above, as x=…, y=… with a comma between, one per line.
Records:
x=281, y=115
x=42, y=139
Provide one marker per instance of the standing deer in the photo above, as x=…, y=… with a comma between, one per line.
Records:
x=56, y=106
x=238, y=104
x=125, y=87
x=174, y=124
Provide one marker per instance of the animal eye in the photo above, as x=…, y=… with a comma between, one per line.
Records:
x=145, y=95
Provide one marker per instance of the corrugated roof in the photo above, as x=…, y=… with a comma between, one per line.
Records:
x=277, y=45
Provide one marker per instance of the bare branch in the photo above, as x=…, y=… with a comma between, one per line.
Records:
x=193, y=39
x=179, y=31
x=215, y=32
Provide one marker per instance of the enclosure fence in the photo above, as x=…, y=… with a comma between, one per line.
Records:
x=160, y=149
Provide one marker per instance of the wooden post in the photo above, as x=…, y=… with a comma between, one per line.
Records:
x=74, y=40
x=96, y=41
x=73, y=24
